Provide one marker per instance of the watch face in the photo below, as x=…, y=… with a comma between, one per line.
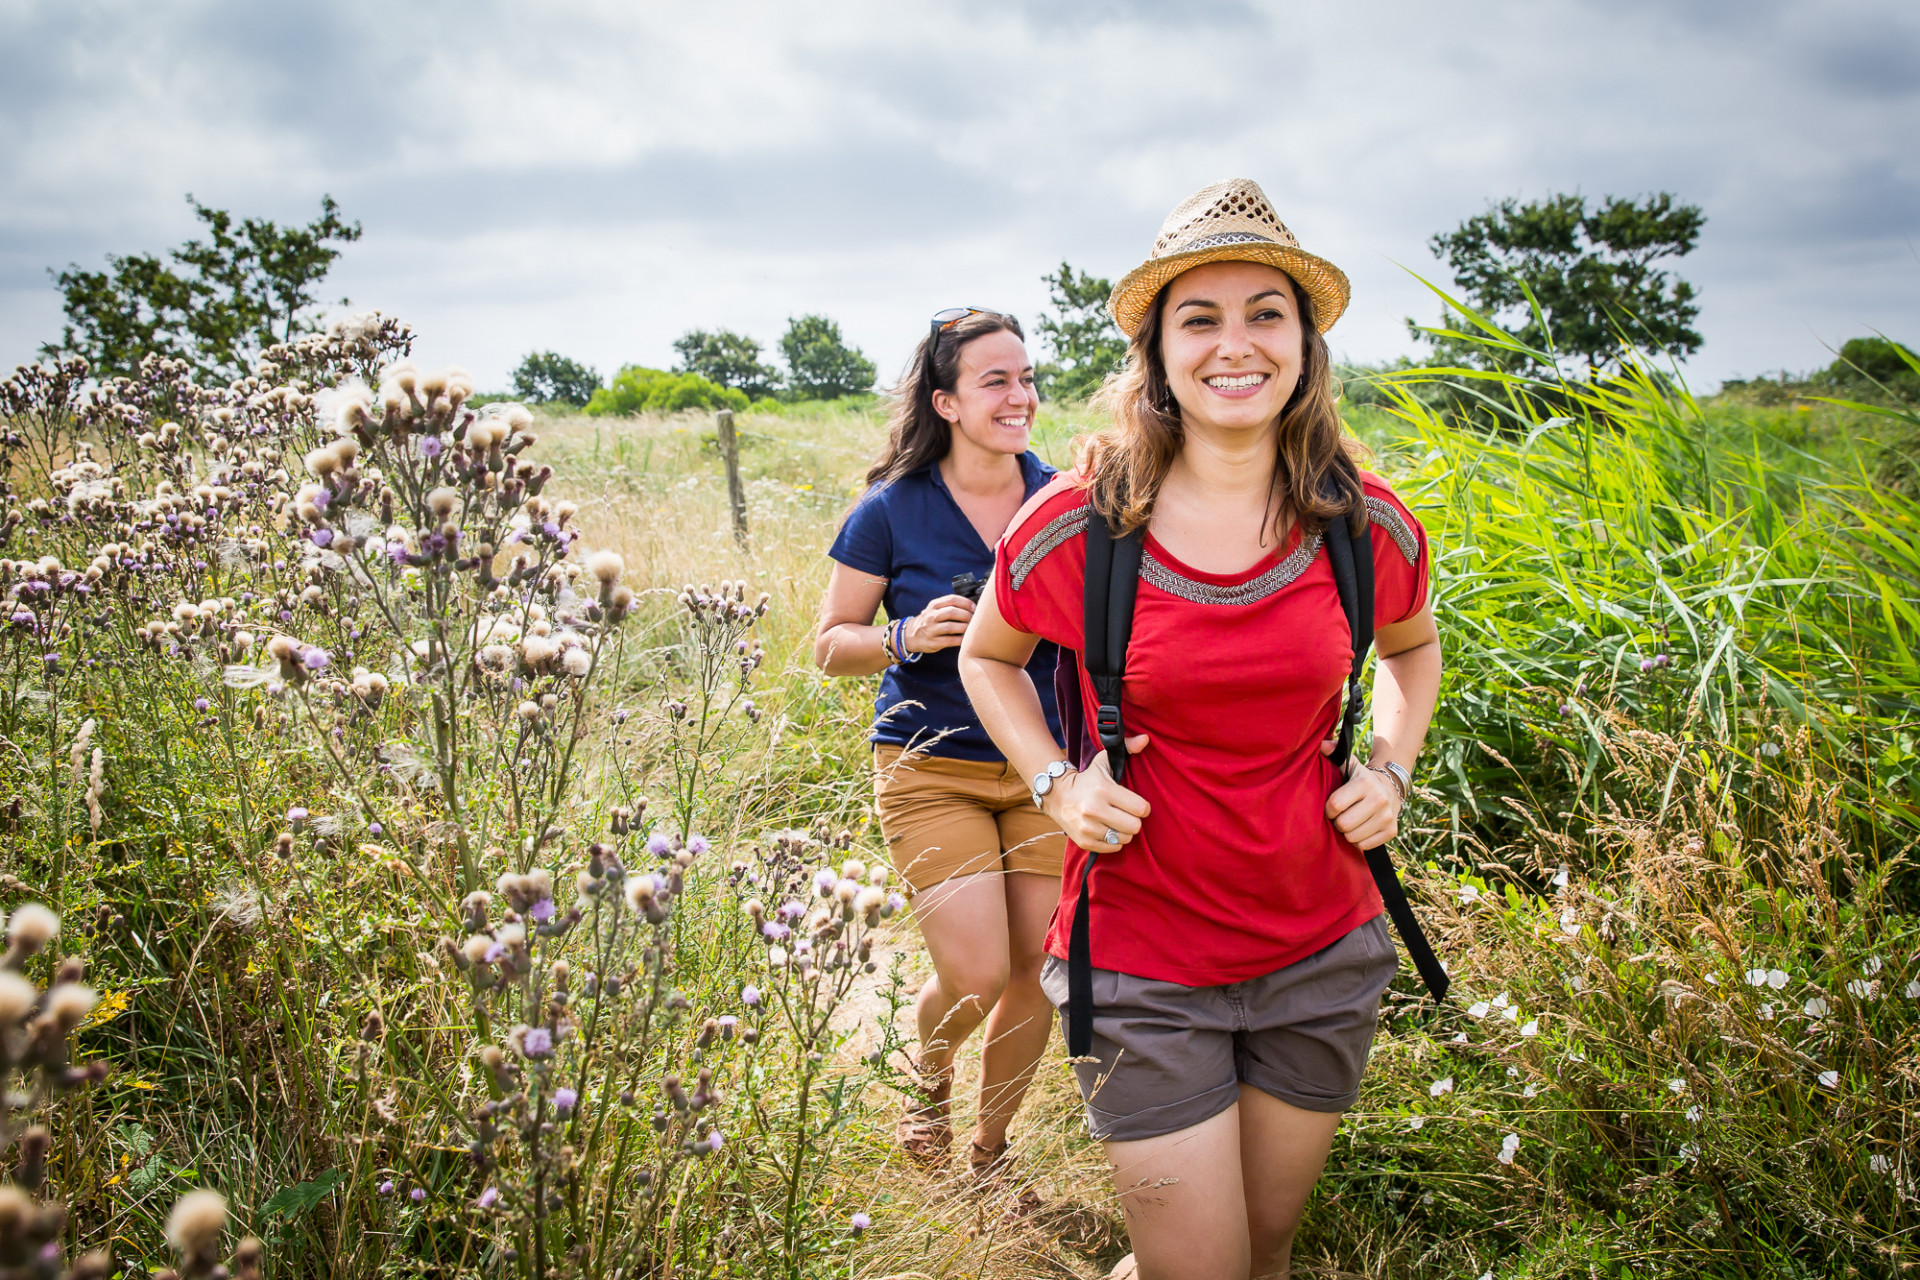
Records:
x=1043, y=784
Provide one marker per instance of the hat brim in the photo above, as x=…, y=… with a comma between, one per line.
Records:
x=1323, y=282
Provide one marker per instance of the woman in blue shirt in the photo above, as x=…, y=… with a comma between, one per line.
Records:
x=961, y=827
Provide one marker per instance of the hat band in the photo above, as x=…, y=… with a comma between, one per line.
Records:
x=1226, y=237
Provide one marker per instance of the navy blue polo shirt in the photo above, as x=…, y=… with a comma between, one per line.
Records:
x=912, y=533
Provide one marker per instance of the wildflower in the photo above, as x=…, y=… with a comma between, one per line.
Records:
x=1913, y=989
x=194, y=1226
x=715, y=1141
x=541, y=911
x=750, y=995
x=1532, y=1028
x=316, y=659
x=1756, y=977
x=564, y=1100
x=29, y=929
x=1531, y=1091
x=1871, y=967
x=1689, y=1153
x=1511, y=1013
x=1677, y=1085
x=1469, y=894
x=697, y=845
x=418, y=1195
x=297, y=818
x=1861, y=989
x=1769, y=749
x=1570, y=922
x=430, y=446
x=1438, y=1087
x=1509, y=1146
x=1646, y=664
x=1500, y=1001
x=1560, y=878
x=1828, y=1079
x=386, y=1188
x=1777, y=978
x=1880, y=1163
x=1693, y=1114
x=1460, y=1037
x=824, y=880
x=605, y=567
x=1815, y=1007
x=442, y=501
x=1416, y=1122
x=537, y=1042
x=659, y=845
x=491, y=1196
x=859, y=1222
x=1479, y=1009
x=727, y=1023
x=1766, y=1012
x=201, y=704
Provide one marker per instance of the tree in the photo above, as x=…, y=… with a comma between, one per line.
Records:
x=727, y=358
x=636, y=389
x=820, y=366
x=1085, y=342
x=248, y=286
x=546, y=377
x=1590, y=271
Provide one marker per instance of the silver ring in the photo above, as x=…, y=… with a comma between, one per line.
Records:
x=1110, y=836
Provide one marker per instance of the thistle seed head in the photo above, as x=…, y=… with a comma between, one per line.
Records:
x=194, y=1226
x=31, y=927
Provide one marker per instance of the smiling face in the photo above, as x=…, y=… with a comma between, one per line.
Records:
x=993, y=397
x=1230, y=340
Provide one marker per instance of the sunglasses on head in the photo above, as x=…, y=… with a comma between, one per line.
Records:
x=945, y=320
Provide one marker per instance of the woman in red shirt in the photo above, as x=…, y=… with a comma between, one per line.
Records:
x=1238, y=946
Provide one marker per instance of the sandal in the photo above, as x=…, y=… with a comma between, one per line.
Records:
x=986, y=1162
x=925, y=1129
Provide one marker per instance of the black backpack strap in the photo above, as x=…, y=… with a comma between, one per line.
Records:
x=1353, y=575
x=1112, y=581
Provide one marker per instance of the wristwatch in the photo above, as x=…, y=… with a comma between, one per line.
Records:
x=1043, y=782
x=1402, y=780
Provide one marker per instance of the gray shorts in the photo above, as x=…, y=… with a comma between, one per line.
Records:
x=1170, y=1056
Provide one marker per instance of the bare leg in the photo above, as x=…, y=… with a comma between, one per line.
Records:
x=1185, y=1205
x=1022, y=1018
x=964, y=923
x=1282, y=1151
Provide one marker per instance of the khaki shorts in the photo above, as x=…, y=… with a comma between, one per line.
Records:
x=944, y=817
x=1170, y=1056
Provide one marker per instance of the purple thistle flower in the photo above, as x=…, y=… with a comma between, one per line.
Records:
x=321, y=537
x=296, y=817
x=495, y=953
x=430, y=446
x=488, y=1198
x=541, y=911
x=859, y=1222
x=320, y=499
x=697, y=845
x=537, y=1043
x=658, y=845
x=895, y=901
x=793, y=909
x=727, y=1023
x=201, y=704
x=824, y=879
x=715, y=1141
x=374, y=828
x=397, y=552
x=316, y=659
x=774, y=931
x=750, y=995
x=386, y=1188
x=1646, y=664
x=551, y=529
x=417, y=1195
x=564, y=1099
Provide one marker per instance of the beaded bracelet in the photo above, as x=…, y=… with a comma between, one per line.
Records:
x=899, y=646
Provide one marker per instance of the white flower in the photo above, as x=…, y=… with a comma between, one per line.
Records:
x=1478, y=1009
x=1511, y=1013
x=1560, y=878
x=1693, y=1114
x=1861, y=989
x=1769, y=749
x=1416, y=1122
x=1469, y=894
x=1756, y=977
x=1513, y=1073
x=1508, y=1146
x=1871, y=967
x=1690, y=1152
x=1570, y=922
x=1532, y=1028
x=1574, y=1055
x=1776, y=978
x=1677, y=1085
x=1500, y=1001
x=1913, y=989
x=1880, y=1163
x=1815, y=1007
x=1531, y=1091
x=1713, y=980
x=1829, y=1079
x=1459, y=1037
x=1438, y=1087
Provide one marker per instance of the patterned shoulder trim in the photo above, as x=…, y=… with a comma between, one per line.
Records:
x=1053, y=534
x=1384, y=514
x=1279, y=577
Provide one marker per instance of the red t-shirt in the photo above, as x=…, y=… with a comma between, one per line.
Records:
x=1238, y=678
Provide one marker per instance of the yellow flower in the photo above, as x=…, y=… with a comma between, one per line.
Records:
x=111, y=1006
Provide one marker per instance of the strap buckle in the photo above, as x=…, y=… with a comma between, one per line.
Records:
x=1107, y=721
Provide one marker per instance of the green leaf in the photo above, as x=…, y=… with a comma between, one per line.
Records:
x=291, y=1202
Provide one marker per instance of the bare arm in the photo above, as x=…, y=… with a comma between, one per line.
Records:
x=993, y=666
x=847, y=643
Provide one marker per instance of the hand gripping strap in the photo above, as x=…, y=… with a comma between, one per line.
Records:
x=1353, y=576
x=1112, y=581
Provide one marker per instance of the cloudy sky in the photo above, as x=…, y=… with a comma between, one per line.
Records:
x=598, y=176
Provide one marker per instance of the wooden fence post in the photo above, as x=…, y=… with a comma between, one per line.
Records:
x=736, y=494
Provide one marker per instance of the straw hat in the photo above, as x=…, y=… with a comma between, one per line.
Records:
x=1229, y=221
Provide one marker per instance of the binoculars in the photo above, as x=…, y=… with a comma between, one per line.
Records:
x=965, y=584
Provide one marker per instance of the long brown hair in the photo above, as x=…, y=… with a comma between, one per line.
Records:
x=1316, y=473
x=916, y=435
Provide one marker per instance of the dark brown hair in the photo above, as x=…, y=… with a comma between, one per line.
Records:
x=916, y=435
x=1316, y=472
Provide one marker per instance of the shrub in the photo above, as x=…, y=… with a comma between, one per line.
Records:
x=820, y=365
x=636, y=389
x=546, y=377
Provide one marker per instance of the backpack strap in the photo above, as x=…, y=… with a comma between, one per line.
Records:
x=1112, y=581
x=1353, y=574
